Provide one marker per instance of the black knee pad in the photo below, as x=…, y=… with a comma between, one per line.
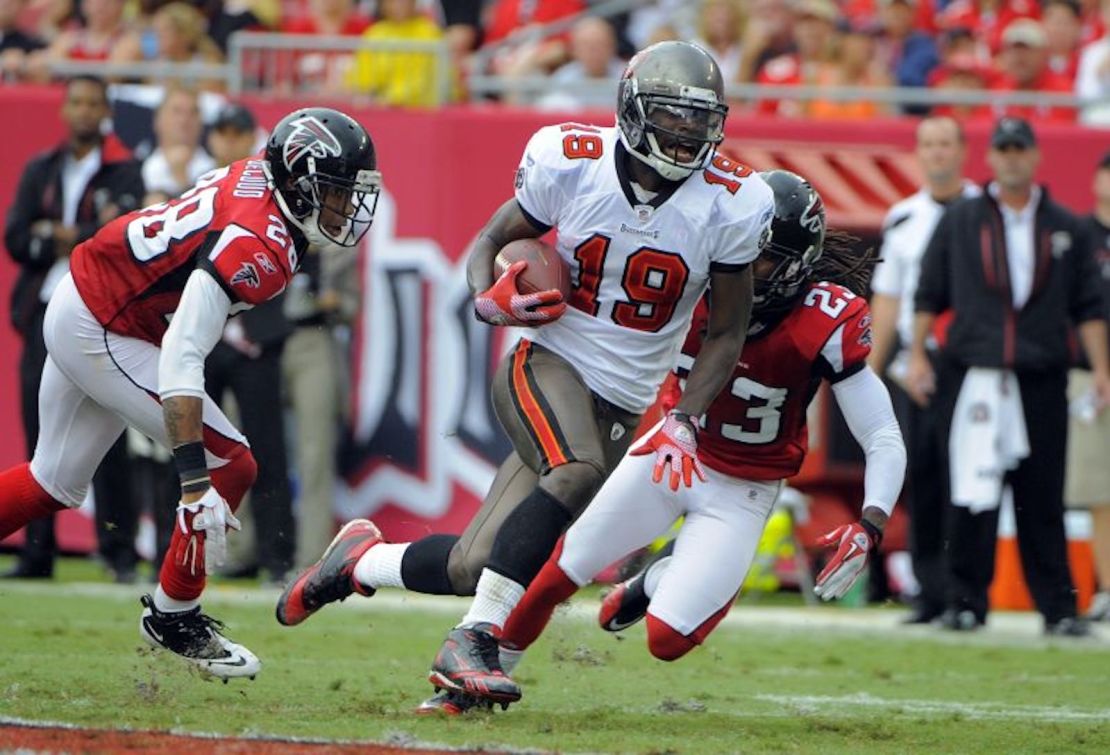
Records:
x=573, y=485
x=527, y=537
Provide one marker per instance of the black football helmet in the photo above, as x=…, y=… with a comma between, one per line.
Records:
x=671, y=98
x=323, y=171
x=797, y=239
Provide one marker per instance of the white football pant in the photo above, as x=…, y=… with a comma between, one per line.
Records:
x=94, y=384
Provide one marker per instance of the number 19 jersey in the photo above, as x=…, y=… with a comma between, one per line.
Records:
x=132, y=272
x=637, y=267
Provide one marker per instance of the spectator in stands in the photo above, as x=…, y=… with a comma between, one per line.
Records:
x=321, y=303
x=399, y=77
x=533, y=54
x=1093, y=78
x=908, y=54
x=1024, y=68
x=63, y=198
x=815, y=39
x=332, y=17
x=314, y=71
x=247, y=363
x=659, y=20
x=941, y=151
x=101, y=33
x=226, y=18
x=768, y=34
x=1088, y=475
x=987, y=19
x=852, y=63
x=1063, y=30
x=178, y=160
x=1091, y=21
x=1016, y=270
x=176, y=33
x=720, y=29
x=593, y=45
x=962, y=72
x=15, y=44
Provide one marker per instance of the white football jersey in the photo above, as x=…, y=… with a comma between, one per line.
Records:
x=637, y=268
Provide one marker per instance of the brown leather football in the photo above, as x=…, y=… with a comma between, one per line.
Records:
x=546, y=269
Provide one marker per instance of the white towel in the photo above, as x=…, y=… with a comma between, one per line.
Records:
x=987, y=438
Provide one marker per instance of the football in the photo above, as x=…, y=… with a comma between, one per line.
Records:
x=546, y=269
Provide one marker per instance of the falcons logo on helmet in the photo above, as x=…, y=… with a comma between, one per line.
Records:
x=811, y=218
x=309, y=138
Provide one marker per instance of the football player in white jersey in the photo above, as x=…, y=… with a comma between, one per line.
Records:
x=647, y=215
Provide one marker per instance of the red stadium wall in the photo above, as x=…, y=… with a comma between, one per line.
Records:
x=420, y=456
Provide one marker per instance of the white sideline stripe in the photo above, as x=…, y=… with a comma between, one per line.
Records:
x=980, y=710
x=1019, y=629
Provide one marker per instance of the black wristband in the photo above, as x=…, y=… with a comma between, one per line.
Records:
x=875, y=533
x=192, y=469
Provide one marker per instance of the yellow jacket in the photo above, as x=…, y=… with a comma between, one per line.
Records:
x=398, y=78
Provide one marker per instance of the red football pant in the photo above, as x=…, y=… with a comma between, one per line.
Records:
x=22, y=499
x=183, y=575
x=550, y=588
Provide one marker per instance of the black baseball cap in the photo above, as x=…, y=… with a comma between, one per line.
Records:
x=236, y=116
x=1013, y=132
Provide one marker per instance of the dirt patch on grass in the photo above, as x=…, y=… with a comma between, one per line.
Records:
x=32, y=738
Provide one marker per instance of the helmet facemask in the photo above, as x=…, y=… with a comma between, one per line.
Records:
x=674, y=135
x=331, y=209
x=791, y=269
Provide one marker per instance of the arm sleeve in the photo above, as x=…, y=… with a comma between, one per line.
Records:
x=865, y=404
x=741, y=242
x=933, y=293
x=196, y=327
x=539, y=189
x=29, y=251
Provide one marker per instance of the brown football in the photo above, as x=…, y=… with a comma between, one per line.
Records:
x=546, y=269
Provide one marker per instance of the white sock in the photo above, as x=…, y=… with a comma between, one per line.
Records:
x=381, y=566
x=509, y=659
x=494, y=599
x=654, y=574
x=166, y=604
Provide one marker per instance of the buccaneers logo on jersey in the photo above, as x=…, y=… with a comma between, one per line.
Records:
x=309, y=138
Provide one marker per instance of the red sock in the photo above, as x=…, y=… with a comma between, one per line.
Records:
x=183, y=576
x=22, y=499
x=550, y=588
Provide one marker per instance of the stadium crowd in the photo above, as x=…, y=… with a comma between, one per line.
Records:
x=1054, y=46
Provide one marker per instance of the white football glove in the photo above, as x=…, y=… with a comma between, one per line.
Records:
x=213, y=517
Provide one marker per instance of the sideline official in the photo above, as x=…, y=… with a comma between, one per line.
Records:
x=1017, y=270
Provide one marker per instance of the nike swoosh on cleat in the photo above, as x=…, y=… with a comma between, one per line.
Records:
x=151, y=632
x=616, y=626
x=238, y=662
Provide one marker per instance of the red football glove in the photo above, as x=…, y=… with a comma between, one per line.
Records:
x=675, y=445
x=503, y=304
x=854, y=542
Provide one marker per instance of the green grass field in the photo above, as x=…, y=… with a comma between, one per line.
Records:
x=772, y=679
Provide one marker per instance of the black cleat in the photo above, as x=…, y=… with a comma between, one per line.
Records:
x=627, y=602
x=196, y=637
x=468, y=662
x=1069, y=626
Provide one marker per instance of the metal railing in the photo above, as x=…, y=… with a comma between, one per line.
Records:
x=258, y=61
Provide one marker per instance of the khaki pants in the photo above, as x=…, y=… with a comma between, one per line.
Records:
x=313, y=368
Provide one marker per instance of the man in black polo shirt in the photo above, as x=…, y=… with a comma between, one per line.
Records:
x=1017, y=270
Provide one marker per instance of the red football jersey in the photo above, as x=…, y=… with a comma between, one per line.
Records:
x=132, y=272
x=756, y=428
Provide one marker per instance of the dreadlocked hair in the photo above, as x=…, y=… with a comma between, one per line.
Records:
x=843, y=264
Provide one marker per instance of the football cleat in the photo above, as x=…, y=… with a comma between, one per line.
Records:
x=627, y=603
x=451, y=702
x=468, y=662
x=331, y=578
x=196, y=637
